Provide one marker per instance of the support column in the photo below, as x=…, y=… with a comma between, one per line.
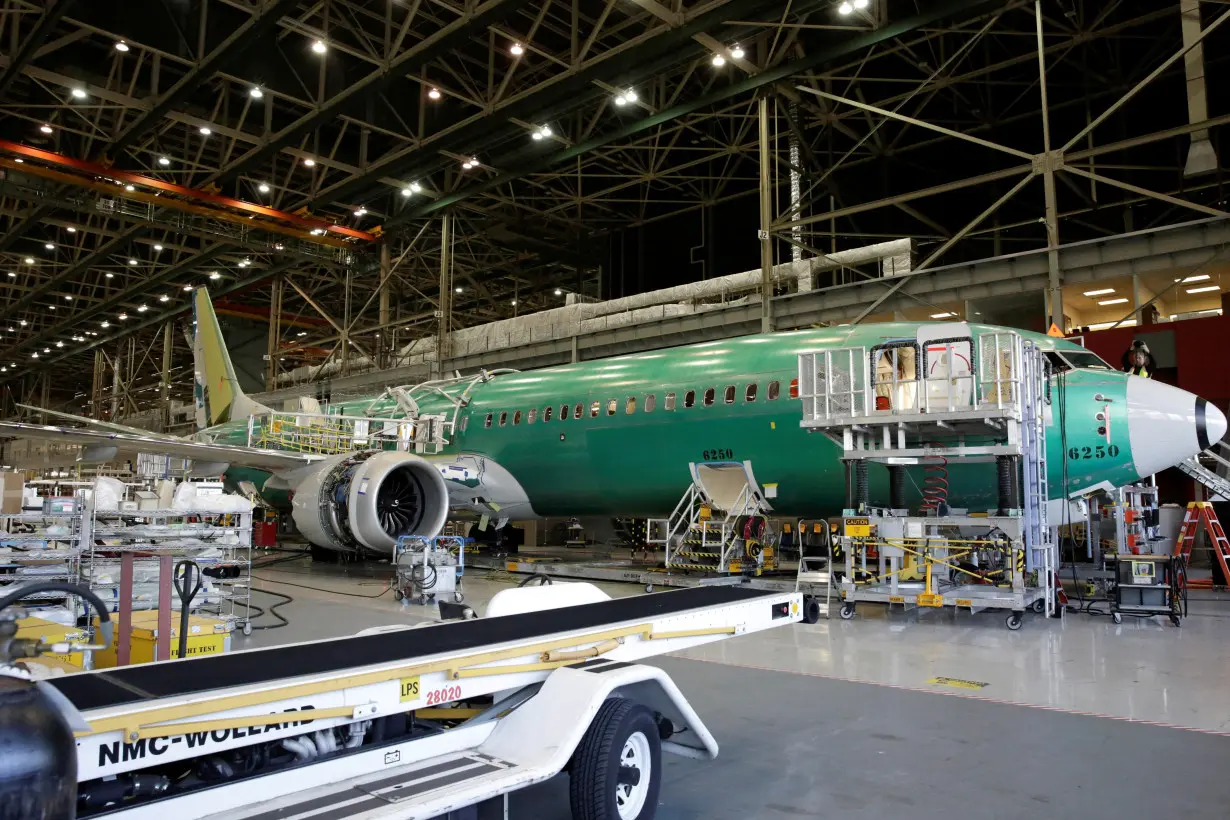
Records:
x=796, y=231
x=164, y=391
x=445, y=312
x=383, y=345
x=275, y=333
x=117, y=383
x=96, y=386
x=348, y=287
x=1054, y=284
x=766, y=220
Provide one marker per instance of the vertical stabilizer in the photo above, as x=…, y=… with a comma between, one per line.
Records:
x=217, y=393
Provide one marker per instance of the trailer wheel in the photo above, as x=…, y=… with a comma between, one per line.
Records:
x=847, y=611
x=811, y=610
x=616, y=769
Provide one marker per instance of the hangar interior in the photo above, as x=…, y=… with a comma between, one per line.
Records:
x=851, y=363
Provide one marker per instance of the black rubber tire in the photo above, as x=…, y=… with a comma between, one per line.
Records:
x=1038, y=606
x=1014, y=621
x=811, y=610
x=847, y=611
x=594, y=770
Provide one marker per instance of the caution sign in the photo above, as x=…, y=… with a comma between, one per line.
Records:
x=409, y=689
x=959, y=683
x=858, y=527
x=1054, y=331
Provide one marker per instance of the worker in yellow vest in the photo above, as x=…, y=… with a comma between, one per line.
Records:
x=1138, y=361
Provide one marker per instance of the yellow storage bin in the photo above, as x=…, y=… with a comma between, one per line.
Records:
x=52, y=632
x=206, y=636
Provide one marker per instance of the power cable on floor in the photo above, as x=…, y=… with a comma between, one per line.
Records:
x=321, y=589
x=272, y=610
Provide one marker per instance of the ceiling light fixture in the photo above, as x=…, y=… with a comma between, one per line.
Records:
x=361, y=212
x=121, y=46
x=317, y=231
x=123, y=316
x=301, y=333
x=948, y=315
x=106, y=324
x=12, y=275
x=216, y=275
x=414, y=186
x=29, y=260
x=23, y=323
x=142, y=308
x=164, y=298
x=1201, y=278
x=319, y=47
x=517, y=50
x=78, y=93
x=50, y=246
x=559, y=292
x=1204, y=289
x=59, y=344
x=1100, y=292
x=1118, y=301
x=514, y=301
x=737, y=52
x=263, y=188
x=68, y=298
x=130, y=188
x=110, y=275
x=132, y=261
x=434, y=94
x=45, y=128
x=157, y=247
x=845, y=9
x=861, y=4
x=205, y=132
x=187, y=287
x=309, y=162
x=458, y=289
x=255, y=93
x=718, y=60
x=34, y=355
x=164, y=161
x=71, y=229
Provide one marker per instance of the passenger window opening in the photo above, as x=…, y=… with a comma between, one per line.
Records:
x=689, y=398
x=774, y=389
x=595, y=409
x=650, y=401
x=532, y=416
x=610, y=406
x=546, y=413
x=489, y=416
x=503, y=418
x=579, y=410
x=669, y=403
x=630, y=405
x=517, y=417
x=563, y=412
x=728, y=395
x=749, y=394
x=710, y=394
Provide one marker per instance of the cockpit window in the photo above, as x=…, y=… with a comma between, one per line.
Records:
x=1064, y=360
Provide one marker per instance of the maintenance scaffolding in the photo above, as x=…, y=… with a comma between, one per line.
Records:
x=921, y=406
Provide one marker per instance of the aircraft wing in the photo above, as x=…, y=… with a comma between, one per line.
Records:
x=100, y=425
x=180, y=448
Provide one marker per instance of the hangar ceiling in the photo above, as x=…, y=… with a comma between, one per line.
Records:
x=293, y=155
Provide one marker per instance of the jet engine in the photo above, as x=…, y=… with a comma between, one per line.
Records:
x=363, y=501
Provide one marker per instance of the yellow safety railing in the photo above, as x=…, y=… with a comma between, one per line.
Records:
x=921, y=548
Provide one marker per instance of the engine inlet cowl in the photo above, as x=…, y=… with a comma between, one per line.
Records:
x=367, y=500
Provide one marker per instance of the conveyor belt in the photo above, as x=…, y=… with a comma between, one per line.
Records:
x=97, y=690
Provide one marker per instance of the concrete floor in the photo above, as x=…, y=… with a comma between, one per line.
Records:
x=841, y=718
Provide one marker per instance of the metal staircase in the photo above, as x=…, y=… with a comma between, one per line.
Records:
x=708, y=533
x=1216, y=483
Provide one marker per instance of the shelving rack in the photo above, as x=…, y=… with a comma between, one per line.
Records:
x=25, y=561
x=151, y=534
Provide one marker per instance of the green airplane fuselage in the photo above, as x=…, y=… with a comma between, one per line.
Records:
x=628, y=451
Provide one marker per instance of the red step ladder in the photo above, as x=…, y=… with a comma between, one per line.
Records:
x=1201, y=513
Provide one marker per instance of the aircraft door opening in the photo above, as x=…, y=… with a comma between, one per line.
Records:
x=948, y=366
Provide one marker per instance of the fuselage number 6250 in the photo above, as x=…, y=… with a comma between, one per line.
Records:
x=1098, y=451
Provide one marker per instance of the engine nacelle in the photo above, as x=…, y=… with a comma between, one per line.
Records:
x=365, y=500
